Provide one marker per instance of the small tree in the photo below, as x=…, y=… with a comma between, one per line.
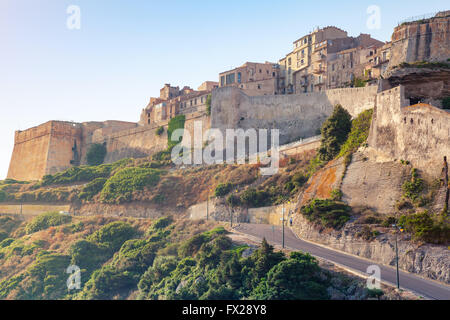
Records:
x=335, y=131
x=208, y=104
x=96, y=154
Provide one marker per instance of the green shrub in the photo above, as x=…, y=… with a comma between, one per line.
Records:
x=113, y=235
x=46, y=220
x=424, y=228
x=359, y=133
x=161, y=223
x=3, y=196
x=208, y=104
x=336, y=195
x=413, y=188
x=375, y=293
x=223, y=189
x=92, y=189
x=299, y=179
x=96, y=154
x=254, y=198
x=120, y=187
x=174, y=124
x=328, y=213
x=335, y=131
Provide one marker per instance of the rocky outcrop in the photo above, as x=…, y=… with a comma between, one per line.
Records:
x=430, y=261
x=377, y=185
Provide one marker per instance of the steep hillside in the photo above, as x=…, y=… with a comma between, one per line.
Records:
x=157, y=260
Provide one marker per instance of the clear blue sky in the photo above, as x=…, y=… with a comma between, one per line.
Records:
x=126, y=50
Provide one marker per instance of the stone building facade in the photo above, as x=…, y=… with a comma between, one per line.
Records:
x=255, y=79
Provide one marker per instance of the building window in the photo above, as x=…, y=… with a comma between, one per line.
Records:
x=222, y=81
x=239, y=77
x=260, y=71
x=289, y=61
x=259, y=86
x=230, y=78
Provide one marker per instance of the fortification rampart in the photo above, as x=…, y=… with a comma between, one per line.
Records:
x=44, y=149
x=296, y=116
x=427, y=40
x=419, y=133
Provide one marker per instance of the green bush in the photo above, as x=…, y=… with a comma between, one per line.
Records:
x=413, y=188
x=45, y=221
x=96, y=154
x=358, y=134
x=3, y=196
x=297, y=278
x=336, y=195
x=83, y=173
x=328, y=213
x=334, y=131
x=174, y=124
x=120, y=187
x=254, y=198
x=92, y=189
x=208, y=104
x=424, y=228
x=46, y=278
x=113, y=235
x=223, y=189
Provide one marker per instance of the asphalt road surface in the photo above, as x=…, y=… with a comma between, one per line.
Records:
x=427, y=288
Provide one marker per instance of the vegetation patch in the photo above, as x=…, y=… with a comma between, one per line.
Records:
x=175, y=123
x=45, y=221
x=92, y=189
x=96, y=154
x=424, y=227
x=335, y=131
x=327, y=213
x=120, y=187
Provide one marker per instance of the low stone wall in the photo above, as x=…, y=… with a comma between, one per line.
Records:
x=32, y=209
x=133, y=209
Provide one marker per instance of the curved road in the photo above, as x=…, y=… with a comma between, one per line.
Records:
x=427, y=288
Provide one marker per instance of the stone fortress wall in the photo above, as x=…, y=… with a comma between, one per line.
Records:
x=419, y=133
x=423, y=139
x=296, y=116
x=44, y=149
x=421, y=41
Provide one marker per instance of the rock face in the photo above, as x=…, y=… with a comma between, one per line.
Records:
x=427, y=260
x=372, y=184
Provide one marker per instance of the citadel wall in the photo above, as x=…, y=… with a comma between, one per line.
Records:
x=421, y=41
x=44, y=149
x=419, y=133
x=296, y=116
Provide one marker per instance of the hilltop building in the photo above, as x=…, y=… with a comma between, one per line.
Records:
x=255, y=79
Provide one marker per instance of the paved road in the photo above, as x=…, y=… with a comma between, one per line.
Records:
x=273, y=235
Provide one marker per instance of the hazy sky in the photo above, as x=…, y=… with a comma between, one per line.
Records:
x=126, y=50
